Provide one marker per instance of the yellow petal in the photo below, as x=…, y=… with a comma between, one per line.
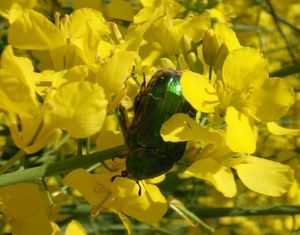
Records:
x=272, y=100
x=148, y=208
x=42, y=141
x=157, y=179
x=193, y=26
x=122, y=188
x=33, y=31
x=112, y=79
x=226, y=35
x=86, y=184
x=148, y=3
x=120, y=9
x=265, y=176
x=104, y=49
x=240, y=73
x=22, y=201
x=161, y=32
x=34, y=134
x=14, y=13
x=212, y=170
x=275, y=129
x=17, y=88
x=199, y=92
x=6, y=5
x=241, y=134
x=109, y=139
x=35, y=225
x=181, y=127
x=78, y=107
x=55, y=229
x=75, y=228
x=126, y=222
x=143, y=15
x=93, y=18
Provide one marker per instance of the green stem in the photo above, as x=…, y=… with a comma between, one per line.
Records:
x=79, y=147
x=188, y=214
x=210, y=72
x=283, y=20
x=179, y=63
x=286, y=71
x=277, y=24
x=12, y=161
x=210, y=212
x=62, y=141
x=37, y=173
x=204, y=213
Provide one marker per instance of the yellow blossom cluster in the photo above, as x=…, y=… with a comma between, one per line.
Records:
x=70, y=72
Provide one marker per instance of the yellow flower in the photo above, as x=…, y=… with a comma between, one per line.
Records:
x=168, y=32
x=123, y=57
x=171, y=7
x=20, y=104
x=72, y=43
x=27, y=205
x=215, y=161
x=78, y=107
x=17, y=87
x=120, y=196
x=250, y=95
x=243, y=94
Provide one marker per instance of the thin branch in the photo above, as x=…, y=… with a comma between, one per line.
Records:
x=38, y=173
x=277, y=24
x=293, y=69
x=204, y=213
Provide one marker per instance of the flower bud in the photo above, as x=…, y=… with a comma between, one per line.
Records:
x=220, y=58
x=210, y=47
x=185, y=44
x=166, y=63
x=194, y=63
x=115, y=29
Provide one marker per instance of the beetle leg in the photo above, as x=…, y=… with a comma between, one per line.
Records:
x=155, y=97
x=140, y=188
x=123, y=174
x=114, y=177
x=143, y=86
x=123, y=120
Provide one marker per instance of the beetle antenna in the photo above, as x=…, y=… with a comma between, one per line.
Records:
x=123, y=120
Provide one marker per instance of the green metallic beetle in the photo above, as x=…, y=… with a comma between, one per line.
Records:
x=149, y=156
